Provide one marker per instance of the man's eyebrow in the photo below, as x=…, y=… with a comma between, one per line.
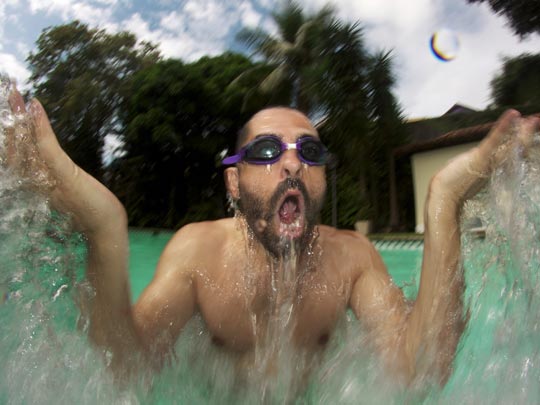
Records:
x=305, y=135
x=268, y=134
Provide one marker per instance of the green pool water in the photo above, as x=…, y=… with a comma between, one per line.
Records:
x=46, y=355
x=145, y=247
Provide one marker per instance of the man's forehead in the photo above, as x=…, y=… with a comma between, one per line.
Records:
x=280, y=121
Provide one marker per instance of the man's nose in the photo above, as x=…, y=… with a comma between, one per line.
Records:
x=290, y=163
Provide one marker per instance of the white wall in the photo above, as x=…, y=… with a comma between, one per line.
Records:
x=424, y=167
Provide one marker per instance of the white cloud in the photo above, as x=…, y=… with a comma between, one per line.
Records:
x=2, y=22
x=107, y=2
x=49, y=7
x=93, y=16
x=209, y=19
x=403, y=14
x=208, y=10
x=11, y=66
x=429, y=86
x=200, y=28
x=172, y=39
x=22, y=48
x=174, y=22
x=93, y=13
x=137, y=25
x=249, y=17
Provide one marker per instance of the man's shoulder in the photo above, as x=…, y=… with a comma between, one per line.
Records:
x=195, y=245
x=343, y=236
x=204, y=233
x=349, y=247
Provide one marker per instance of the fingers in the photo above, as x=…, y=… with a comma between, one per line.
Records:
x=500, y=133
x=23, y=154
x=511, y=134
x=16, y=101
x=468, y=172
x=18, y=134
x=50, y=151
x=529, y=128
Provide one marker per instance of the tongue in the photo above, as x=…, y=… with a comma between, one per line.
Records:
x=287, y=212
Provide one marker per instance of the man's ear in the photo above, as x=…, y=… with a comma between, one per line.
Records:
x=231, y=182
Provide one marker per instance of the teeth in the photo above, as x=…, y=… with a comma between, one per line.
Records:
x=286, y=228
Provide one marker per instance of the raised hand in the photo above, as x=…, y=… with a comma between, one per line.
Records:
x=468, y=172
x=34, y=154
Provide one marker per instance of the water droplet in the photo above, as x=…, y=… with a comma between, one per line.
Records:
x=268, y=168
x=444, y=44
x=7, y=120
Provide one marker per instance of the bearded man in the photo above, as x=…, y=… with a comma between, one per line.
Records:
x=239, y=272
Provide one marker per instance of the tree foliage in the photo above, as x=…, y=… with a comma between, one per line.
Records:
x=518, y=83
x=523, y=15
x=363, y=125
x=179, y=119
x=176, y=119
x=80, y=74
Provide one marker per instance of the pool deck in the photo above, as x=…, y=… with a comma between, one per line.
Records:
x=395, y=236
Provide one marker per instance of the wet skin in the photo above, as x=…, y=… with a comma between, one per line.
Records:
x=224, y=272
x=229, y=272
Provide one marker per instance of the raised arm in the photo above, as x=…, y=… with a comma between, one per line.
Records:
x=34, y=150
x=421, y=340
x=168, y=302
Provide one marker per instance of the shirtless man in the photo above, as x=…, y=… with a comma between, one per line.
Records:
x=229, y=270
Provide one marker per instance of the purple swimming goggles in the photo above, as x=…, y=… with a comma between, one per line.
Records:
x=267, y=149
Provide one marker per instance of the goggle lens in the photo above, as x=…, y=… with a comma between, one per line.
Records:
x=313, y=151
x=265, y=149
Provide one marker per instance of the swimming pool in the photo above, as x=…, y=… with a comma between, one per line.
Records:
x=145, y=247
x=46, y=357
x=499, y=351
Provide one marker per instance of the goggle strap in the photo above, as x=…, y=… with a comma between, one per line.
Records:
x=291, y=146
x=231, y=160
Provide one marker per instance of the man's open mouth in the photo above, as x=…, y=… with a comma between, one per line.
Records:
x=290, y=214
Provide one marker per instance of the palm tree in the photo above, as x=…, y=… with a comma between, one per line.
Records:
x=320, y=65
x=363, y=121
x=293, y=54
x=386, y=134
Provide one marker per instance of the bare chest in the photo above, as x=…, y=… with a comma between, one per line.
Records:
x=243, y=309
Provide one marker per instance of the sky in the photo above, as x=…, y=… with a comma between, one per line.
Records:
x=189, y=29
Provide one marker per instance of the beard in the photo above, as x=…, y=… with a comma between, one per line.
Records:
x=256, y=212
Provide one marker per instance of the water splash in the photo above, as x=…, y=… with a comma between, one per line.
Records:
x=44, y=350
x=501, y=342
x=46, y=357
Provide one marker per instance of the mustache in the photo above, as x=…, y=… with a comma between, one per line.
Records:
x=286, y=185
